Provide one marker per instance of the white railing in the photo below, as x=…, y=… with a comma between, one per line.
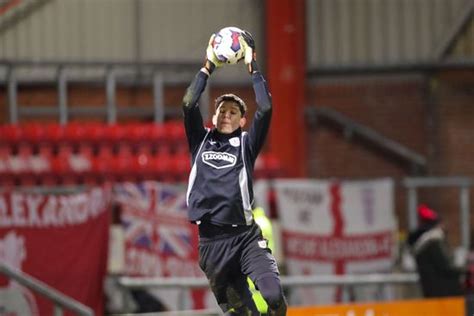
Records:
x=59, y=300
x=347, y=281
x=287, y=281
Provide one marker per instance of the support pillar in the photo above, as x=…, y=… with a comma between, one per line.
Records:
x=286, y=72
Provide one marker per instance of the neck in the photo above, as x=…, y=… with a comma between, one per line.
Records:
x=237, y=132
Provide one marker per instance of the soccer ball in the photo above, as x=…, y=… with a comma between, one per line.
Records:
x=226, y=45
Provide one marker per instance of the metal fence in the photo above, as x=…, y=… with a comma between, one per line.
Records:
x=347, y=282
x=59, y=300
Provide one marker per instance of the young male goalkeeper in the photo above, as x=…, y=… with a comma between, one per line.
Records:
x=220, y=194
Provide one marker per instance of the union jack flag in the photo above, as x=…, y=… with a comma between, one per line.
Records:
x=175, y=241
x=154, y=218
x=152, y=197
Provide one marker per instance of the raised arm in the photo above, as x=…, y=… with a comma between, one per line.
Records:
x=261, y=120
x=193, y=121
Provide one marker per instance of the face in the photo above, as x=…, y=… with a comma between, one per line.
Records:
x=228, y=117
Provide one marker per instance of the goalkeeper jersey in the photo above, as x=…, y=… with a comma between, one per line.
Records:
x=220, y=182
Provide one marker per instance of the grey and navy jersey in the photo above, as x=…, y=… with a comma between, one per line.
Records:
x=220, y=182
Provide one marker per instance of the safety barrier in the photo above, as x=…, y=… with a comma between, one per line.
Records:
x=346, y=280
x=59, y=300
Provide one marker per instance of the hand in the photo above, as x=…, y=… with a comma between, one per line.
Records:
x=211, y=59
x=250, y=56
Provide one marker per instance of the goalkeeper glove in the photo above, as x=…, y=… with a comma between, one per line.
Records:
x=211, y=59
x=250, y=57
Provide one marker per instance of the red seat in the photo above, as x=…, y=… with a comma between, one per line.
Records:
x=175, y=131
x=123, y=162
x=94, y=132
x=61, y=164
x=136, y=132
x=114, y=133
x=74, y=132
x=161, y=165
x=102, y=163
x=41, y=163
x=176, y=135
x=143, y=166
x=53, y=132
x=86, y=150
x=181, y=166
x=33, y=132
x=10, y=133
x=21, y=162
x=157, y=136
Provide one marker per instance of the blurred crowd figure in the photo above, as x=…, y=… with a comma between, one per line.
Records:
x=439, y=276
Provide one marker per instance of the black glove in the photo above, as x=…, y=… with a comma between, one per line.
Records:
x=250, y=56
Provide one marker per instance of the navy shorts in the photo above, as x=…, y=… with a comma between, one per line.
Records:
x=228, y=259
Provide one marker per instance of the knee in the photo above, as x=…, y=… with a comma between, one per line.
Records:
x=272, y=292
x=274, y=298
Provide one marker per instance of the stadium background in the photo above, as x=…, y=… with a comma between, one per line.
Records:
x=401, y=68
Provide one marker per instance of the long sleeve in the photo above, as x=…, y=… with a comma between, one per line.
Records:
x=193, y=122
x=262, y=118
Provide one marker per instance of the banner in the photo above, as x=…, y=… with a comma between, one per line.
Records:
x=452, y=306
x=331, y=227
x=59, y=239
x=159, y=239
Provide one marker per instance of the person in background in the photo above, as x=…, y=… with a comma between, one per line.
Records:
x=439, y=277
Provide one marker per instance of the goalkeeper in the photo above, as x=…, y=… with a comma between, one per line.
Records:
x=220, y=194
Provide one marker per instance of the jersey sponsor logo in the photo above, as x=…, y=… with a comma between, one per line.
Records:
x=218, y=160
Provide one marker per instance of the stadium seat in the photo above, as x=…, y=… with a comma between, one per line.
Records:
x=102, y=163
x=20, y=164
x=33, y=132
x=10, y=133
x=61, y=162
x=46, y=150
x=86, y=150
x=74, y=132
x=41, y=163
x=181, y=166
x=114, y=133
x=176, y=135
x=161, y=165
x=136, y=132
x=94, y=133
x=54, y=132
x=123, y=163
x=157, y=136
x=143, y=166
